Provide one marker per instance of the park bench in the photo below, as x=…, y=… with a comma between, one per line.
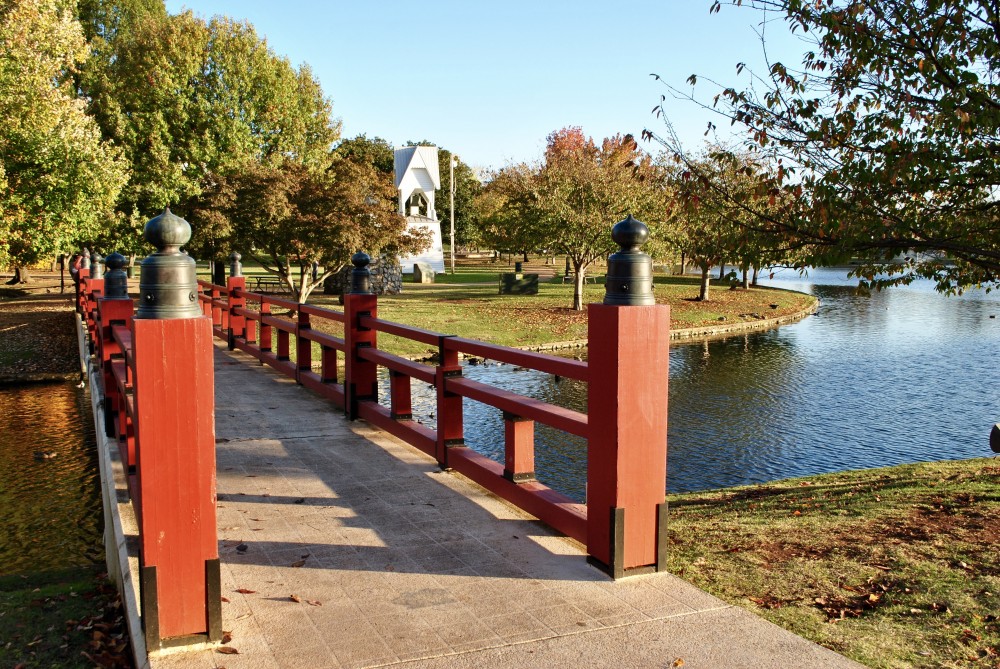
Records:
x=588, y=278
x=269, y=284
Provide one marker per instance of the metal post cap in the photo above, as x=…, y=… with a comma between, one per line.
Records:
x=361, y=276
x=235, y=268
x=168, y=284
x=86, y=259
x=97, y=267
x=629, y=280
x=116, y=280
x=167, y=232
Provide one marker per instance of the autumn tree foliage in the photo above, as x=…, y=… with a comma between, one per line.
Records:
x=583, y=189
x=508, y=213
x=884, y=137
x=718, y=199
x=291, y=217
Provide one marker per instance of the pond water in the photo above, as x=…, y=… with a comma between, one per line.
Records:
x=51, y=507
x=903, y=375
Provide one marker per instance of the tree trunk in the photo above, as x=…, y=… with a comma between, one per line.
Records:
x=705, y=280
x=722, y=271
x=683, y=264
x=756, y=273
x=218, y=273
x=525, y=256
x=581, y=274
x=746, y=277
x=20, y=276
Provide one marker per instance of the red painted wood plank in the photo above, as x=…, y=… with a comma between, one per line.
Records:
x=550, y=364
x=549, y=506
x=413, y=433
x=424, y=373
x=400, y=330
x=566, y=420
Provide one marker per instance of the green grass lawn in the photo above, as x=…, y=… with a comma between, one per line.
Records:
x=468, y=304
x=480, y=312
x=894, y=567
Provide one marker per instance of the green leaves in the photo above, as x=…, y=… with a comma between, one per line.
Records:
x=194, y=102
x=892, y=126
x=60, y=179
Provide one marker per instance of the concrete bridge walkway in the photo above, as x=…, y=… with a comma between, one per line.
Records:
x=343, y=547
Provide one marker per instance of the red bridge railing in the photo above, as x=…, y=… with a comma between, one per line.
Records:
x=157, y=381
x=157, y=391
x=632, y=475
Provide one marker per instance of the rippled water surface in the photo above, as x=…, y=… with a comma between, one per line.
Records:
x=900, y=376
x=50, y=509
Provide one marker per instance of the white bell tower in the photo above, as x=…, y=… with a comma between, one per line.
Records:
x=416, y=178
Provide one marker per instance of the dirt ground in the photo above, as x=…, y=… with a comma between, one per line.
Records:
x=37, y=332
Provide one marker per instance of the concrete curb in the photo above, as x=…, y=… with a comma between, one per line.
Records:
x=705, y=332
x=118, y=514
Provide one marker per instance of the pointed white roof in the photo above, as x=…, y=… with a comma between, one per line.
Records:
x=410, y=159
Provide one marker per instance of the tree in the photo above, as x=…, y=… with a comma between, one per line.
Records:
x=210, y=100
x=58, y=181
x=583, y=189
x=710, y=199
x=467, y=186
x=507, y=210
x=295, y=217
x=376, y=151
x=884, y=142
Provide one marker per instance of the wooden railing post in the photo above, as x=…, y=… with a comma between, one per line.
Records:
x=360, y=376
x=212, y=308
x=114, y=308
x=519, y=448
x=236, y=284
x=265, y=329
x=175, y=446
x=627, y=407
x=400, y=396
x=450, y=419
x=303, y=346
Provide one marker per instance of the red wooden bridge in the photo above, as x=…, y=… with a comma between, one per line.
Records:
x=164, y=387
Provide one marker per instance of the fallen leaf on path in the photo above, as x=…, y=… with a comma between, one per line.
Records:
x=227, y=650
x=244, y=591
x=295, y=598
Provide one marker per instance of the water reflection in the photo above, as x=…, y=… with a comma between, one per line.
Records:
x=902, y=375
x=51, y=514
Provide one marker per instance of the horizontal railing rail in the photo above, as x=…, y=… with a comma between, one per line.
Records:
x=336, y=354
x=272, y=339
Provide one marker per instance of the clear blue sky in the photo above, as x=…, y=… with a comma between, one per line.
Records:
x=490, y=80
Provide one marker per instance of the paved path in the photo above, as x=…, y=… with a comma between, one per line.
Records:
x=354, y=550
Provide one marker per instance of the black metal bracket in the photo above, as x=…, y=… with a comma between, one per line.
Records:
x=149, y=607
x=213, y=599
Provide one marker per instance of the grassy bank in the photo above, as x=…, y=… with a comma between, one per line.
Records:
x=68, y=619
x=468, y=304
x=479, y=312
x=894, y=567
